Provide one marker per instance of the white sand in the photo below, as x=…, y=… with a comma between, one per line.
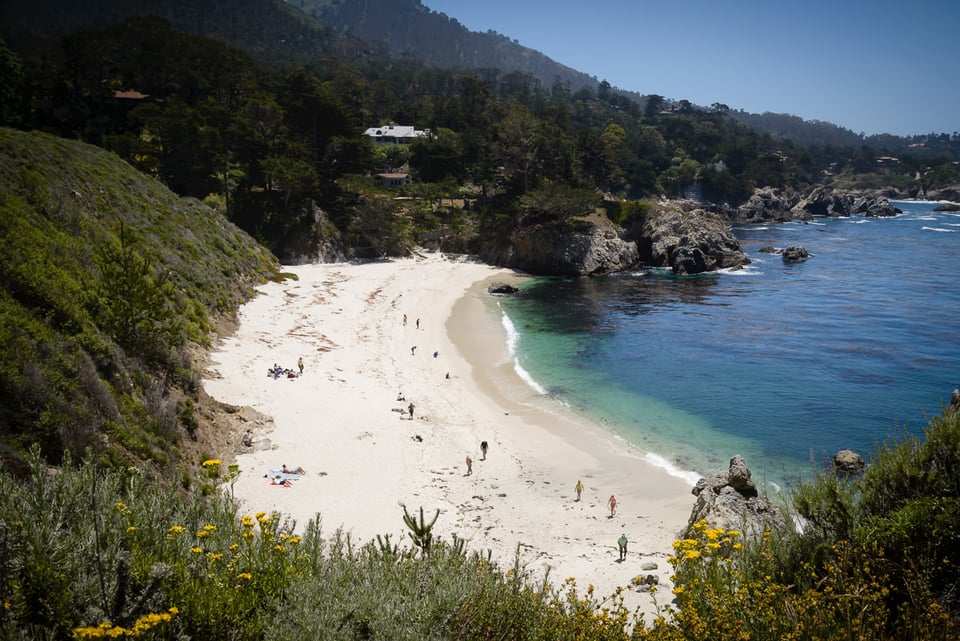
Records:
x=340, y=422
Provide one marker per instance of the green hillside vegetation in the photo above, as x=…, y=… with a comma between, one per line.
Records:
x=92, y=553
x=107, y=279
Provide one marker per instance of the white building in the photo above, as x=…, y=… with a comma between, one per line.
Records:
x=392, y=134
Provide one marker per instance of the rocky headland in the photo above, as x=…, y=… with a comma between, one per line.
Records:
x=770, y=204
x=688, y=241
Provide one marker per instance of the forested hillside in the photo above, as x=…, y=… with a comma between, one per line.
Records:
x=281, y=151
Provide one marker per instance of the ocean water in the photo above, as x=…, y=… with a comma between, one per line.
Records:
x=785, y=364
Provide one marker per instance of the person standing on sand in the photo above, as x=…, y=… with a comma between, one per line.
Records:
x=622, y=545
x=579, y=489
x=300, y=364
x=410, y=409
x=418, y=323
x=469, y=466
x=612, y=502
x=483, y=450
x=413, y=350
x=404, y=320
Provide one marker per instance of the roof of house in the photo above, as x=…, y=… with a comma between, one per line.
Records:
x=131, y=94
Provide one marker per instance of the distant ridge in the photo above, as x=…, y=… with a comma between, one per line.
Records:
x=409, y=29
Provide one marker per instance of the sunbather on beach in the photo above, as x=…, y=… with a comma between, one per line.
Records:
x=279, y=480
x=297, y=470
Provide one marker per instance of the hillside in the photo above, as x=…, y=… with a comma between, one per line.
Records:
x=107, y=282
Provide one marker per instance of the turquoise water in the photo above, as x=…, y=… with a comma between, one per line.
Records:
x=783, y=363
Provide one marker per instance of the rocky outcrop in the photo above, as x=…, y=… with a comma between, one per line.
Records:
x=767, y=204
x=825, y=201
x=689, y=242
x=502, y=289
x=796, y=254
x=552, y=250
x=951, y=193
x=732, y=502
x=848, y=462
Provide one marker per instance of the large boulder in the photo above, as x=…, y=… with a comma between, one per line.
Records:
x=689, y=242
x=795, y=254
x=732, y=502
x=848, y=462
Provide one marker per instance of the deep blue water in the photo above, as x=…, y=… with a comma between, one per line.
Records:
x=783, y=363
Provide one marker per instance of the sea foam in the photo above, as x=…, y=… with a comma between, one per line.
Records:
x=513, y=338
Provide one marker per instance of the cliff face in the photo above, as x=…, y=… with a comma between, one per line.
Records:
x=551, y=250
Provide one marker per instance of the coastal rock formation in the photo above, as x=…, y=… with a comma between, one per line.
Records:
x=848, y=462
x=502, y=288
x=732, y=502
x=795, y=254
x=552, y=250
x=767, y=204
x=951, y=193
x=689, y=242
x=825, y=201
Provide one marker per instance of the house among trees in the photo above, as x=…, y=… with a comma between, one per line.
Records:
x=393, y=180
x=392, y=134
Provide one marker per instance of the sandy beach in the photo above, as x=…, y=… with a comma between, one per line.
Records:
x=346, y=421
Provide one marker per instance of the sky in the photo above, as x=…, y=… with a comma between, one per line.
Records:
x=870, y=66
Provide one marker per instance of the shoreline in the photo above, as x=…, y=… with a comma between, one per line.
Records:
x=343, y=422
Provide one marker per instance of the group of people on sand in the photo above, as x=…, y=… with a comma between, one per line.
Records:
x=278, y=371
x=612, y=504
x=285, y=475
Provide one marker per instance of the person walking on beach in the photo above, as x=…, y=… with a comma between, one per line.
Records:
x=404, y=320
x=410, y=409
x=622, y=545
x=300, y=364
x=418, y=323
x=579, y=489
x=413, y=350
x=612, y=502
x=483, y=450
x=469, y=465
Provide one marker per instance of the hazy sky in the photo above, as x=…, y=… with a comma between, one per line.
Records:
x=872, y=66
